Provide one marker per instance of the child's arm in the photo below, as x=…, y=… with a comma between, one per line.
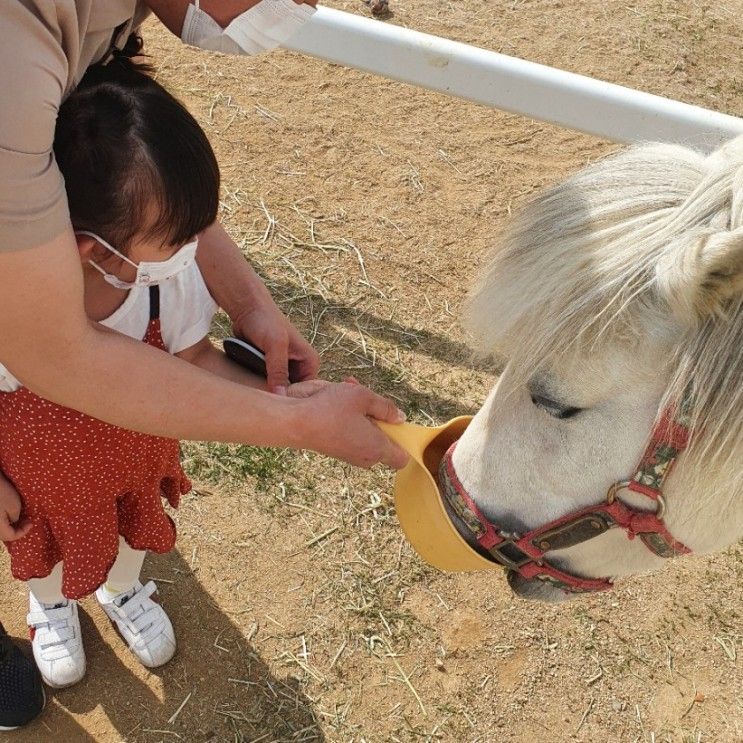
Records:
x=241, y=293
x=204, y=355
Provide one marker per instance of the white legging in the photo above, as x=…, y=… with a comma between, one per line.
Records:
x=123, y=575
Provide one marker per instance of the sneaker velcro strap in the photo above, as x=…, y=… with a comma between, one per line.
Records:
x=48, y=616
x=134, y=611
x=58, y=639
x=148, y=589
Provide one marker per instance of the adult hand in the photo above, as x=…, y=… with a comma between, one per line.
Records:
x=266, y=326
x=301, y=390
x=339, y=421
x=10, y=511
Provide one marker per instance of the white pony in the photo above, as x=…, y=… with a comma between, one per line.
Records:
x=614, y=295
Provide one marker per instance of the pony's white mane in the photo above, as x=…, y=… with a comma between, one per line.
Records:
x=609, y=257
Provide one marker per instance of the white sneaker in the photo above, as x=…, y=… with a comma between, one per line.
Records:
x=142, y=622
x=56, y=641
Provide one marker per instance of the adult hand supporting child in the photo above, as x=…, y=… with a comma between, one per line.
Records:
x=11, y=528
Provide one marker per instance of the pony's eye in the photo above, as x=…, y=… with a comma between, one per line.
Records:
x=553, y=408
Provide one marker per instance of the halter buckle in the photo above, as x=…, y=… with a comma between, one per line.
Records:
x=509, y=554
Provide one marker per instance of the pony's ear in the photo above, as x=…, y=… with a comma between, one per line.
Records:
x=698, y=278
x=703, y=269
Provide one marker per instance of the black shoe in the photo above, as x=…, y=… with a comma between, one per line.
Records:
x=21, y=691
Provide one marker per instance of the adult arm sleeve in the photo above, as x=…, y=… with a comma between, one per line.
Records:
x=33, y=71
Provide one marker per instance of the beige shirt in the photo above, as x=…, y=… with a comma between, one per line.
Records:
x=45, y=48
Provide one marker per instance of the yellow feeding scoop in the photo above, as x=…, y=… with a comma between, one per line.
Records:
x=419, y=506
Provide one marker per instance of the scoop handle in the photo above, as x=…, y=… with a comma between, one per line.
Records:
x=411, y=437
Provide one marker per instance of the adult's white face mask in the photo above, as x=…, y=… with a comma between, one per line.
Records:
x=149, y=273
x=265, y=26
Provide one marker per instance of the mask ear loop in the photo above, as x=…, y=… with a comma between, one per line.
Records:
x=115, y=281
x=106, y=245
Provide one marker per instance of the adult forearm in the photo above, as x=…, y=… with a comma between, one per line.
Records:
x=148, y=390
x=165, y=395
x=48, y=343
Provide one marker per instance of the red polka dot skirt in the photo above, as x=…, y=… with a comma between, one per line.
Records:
x=83, y=483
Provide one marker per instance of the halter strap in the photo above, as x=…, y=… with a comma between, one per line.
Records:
x=669, y=438
x=525, y=553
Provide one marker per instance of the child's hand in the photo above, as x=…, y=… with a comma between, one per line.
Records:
x=10, y=511
x=267, y=327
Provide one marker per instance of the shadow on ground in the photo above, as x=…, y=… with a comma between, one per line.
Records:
x=228, y=691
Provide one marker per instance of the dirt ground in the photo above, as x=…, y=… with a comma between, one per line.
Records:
x=301, y=613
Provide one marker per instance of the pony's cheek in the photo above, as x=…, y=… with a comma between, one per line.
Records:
x=500, y=461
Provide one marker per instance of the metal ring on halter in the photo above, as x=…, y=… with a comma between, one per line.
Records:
x=661, y=510
x=611, y=494
x=660, y=501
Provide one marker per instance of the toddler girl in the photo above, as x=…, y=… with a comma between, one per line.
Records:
x=142, y=183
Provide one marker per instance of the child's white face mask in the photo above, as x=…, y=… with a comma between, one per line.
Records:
x=260, y=28
x=149, y=273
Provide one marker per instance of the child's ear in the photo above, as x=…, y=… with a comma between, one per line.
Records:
x=85, y=246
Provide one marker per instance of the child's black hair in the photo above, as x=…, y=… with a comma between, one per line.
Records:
x=134, y=161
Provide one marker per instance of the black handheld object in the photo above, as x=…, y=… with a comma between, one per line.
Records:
x=248, y=356
x=252, y=358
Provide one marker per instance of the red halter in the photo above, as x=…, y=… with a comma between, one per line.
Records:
x=524, y=554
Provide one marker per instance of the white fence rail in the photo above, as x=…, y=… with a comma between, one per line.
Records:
x=510, y=84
